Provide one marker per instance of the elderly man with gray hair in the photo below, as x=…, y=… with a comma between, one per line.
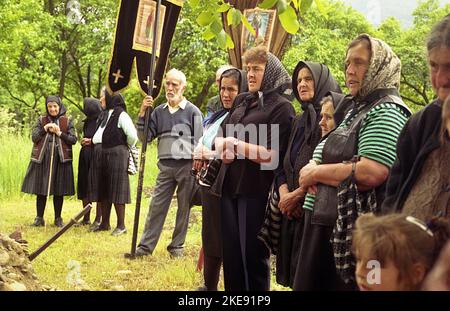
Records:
x=178, y=126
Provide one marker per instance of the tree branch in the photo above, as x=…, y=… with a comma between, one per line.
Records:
x=416, y=89
x=411, y=85
x=204, y=92
x=74, y=103
x=415, y=102
x=82, y=86
x=16, y=98
x=99, y=86
x=425, y=87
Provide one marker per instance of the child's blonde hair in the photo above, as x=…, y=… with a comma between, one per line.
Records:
x=404, y=240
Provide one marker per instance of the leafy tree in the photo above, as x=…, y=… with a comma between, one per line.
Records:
x=28, y=64
x=410, y=46
x=196, y=57
x=324, y=37
x=288, y=12
x=85, y=33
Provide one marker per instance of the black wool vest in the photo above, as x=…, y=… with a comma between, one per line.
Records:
x=114, y=136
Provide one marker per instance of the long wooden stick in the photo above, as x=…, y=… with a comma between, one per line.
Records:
x=50, y=173
x=66, y=227
x=144, y=143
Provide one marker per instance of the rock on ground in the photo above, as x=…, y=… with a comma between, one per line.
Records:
x=16, y=271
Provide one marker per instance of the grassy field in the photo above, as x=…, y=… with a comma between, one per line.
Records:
x=99, y=255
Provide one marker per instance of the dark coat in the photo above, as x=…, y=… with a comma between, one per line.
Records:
x=304, y=137
x=418, y=139
x=245, y=176
x=37, y=177
x=92, y=110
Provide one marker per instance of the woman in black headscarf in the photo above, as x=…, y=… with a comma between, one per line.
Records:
x=255, y=137
x=334, y=107
x=108, y=177
x=232, y=82
x=55, y=130
x=311, y=82
x=92, y=110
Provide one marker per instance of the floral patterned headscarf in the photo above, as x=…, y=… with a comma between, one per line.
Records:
x=384, y=68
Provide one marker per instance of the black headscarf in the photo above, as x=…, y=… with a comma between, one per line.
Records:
x=112, y=102
x=341, y=104
x=275, y=79
x=92, y=109
x=242, y=87
x=62, y=108
x=324, y=82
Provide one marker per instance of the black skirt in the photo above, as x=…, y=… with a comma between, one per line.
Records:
x=211, y=224
x=36, y=179
x=288, y=250
x=108, y=176
x=84, y=164
x=315, y=264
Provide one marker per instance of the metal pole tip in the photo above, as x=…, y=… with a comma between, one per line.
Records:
x=129, y=256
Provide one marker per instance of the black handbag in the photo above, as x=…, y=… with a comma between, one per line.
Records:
x=209, y=174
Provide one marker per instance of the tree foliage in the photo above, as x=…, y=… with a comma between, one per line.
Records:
x=46, y=49
x=288, y=12
x=196, y=57
x=28, y=63
x=63, y=47
x=324, y=37
x=410, y=46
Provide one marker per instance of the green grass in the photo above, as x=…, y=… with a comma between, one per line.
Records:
x=15, y=151
x=100, y=255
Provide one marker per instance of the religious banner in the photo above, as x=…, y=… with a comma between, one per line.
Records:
x=143, y=32
x=133, y=43
x=276, y=38
x=262, y=22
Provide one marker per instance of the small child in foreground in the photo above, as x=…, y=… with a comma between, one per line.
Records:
x=395, y=252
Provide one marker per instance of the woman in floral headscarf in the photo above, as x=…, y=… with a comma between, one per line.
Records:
x=254, y=140
x=349, y=168
x=55, y=130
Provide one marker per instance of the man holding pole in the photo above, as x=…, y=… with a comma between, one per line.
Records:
x=178, y=125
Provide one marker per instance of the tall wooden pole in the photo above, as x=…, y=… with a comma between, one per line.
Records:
x=146, y=125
